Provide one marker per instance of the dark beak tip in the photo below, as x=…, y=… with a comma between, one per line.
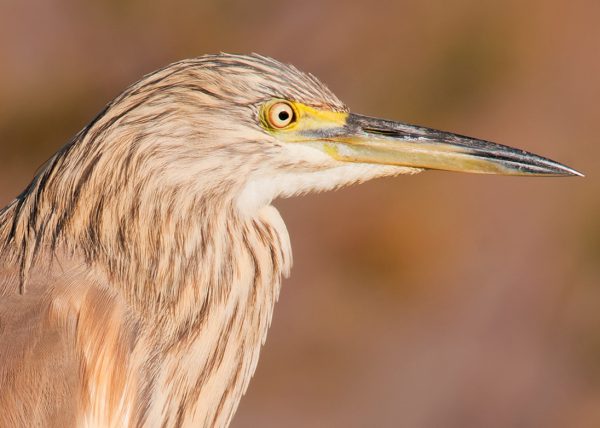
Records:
x=565, y=171
x=533, y=164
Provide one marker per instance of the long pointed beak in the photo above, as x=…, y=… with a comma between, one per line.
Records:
x=369, y=140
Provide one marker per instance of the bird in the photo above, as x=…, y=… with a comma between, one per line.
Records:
x=140, y=267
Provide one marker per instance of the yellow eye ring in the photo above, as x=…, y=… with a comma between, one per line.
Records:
x=281, y=115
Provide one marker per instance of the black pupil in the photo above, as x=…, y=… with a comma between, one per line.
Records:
x=283, y=115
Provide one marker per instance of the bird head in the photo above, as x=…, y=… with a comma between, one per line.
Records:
x=280, y=132
x=253, y=129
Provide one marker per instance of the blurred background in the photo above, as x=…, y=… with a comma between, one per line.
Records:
x=438, y=300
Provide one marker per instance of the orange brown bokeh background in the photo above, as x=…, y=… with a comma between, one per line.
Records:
x=439, y=300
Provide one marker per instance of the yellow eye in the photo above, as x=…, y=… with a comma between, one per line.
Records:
x=281, y=114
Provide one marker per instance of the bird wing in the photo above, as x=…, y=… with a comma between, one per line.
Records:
x=39, y=365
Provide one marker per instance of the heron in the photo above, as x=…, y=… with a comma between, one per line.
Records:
x=140, y=267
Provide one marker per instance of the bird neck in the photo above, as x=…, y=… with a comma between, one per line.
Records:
x=220, y=323
x=198, y=279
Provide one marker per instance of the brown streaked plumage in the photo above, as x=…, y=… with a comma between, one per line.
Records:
x=140, y=268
